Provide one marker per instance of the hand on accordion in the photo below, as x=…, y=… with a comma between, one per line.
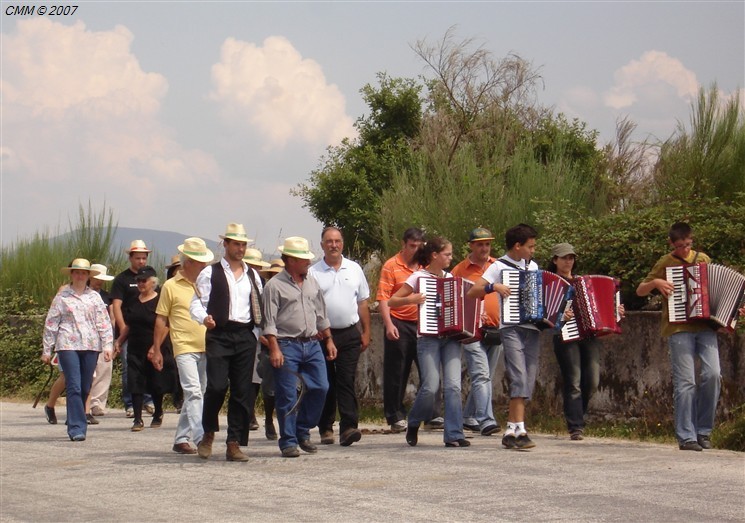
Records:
x=502, y=290
x=568, y=314
x=418, y=298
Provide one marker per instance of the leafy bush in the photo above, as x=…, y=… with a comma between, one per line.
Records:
x=626, y=245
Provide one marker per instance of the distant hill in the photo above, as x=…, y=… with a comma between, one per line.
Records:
x=163, y=243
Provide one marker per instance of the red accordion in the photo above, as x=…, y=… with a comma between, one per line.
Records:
x=595, y=301
x=447, y=310
x=705, y=291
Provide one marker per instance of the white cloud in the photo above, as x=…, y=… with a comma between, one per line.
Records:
x=279, y=93
x=654, y=74
x=81, y=120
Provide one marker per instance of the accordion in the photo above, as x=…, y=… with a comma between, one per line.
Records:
x=447, y=311
x=595, y=301
x=705, y=291
x=535, y=297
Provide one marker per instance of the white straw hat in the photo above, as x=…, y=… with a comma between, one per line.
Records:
x=296, y=247
x=137, y=246
x=196, y=249
x=235, y=231
x=79, y=264
x=101, y=269
x=254, y=257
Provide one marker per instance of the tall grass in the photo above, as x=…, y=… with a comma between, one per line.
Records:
x=30, y=267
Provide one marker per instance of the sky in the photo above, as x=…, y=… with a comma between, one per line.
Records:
x=185, y=116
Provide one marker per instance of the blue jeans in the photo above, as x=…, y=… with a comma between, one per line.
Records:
x=481, y=362
x=431, y=354
x=192, y=373
x=521, y=351
x=78, y=368
x=695, y=405
x=306, y=359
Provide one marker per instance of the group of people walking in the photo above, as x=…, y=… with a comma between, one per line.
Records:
x=219, y=327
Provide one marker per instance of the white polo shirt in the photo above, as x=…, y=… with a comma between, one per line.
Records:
x=342, y=291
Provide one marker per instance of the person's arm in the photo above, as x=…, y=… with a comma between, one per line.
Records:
x=391, y=332
x=51, y=328
x=198, y=305
x=330, y=346
x=116, y=307
x=363, y=310
x=663, y=286
x=405, y=295
x=488, y=283
x=275, y=355
x=159, y=335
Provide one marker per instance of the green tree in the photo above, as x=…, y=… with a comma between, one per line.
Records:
x=345, y=190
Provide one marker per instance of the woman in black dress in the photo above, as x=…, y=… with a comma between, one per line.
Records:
x=141, y=375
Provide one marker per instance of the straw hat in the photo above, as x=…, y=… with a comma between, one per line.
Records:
x=275, y=266
x=254, y=257
x=137, y=246
x=235, y=231
x=175, y=262
x=101, y=269
x=296, y=247
x=196, y=249
x=79, y=264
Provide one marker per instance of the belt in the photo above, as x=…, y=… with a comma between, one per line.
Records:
x=354, y=325
x=299, y=339
x=238, y=325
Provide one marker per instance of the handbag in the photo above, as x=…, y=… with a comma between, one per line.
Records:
x=490, y=336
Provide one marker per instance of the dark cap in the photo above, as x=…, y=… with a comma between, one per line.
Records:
x=145, y=273
x=479, y=234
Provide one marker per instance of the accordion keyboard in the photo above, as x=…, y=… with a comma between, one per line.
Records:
x=676, y=302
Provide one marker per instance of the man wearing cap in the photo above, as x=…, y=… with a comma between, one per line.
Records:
x=123, y=291
x=294, y=320
x=228, y=304
x=99, y=393
x=481, y=356
x=345, y=292
x=187, y=338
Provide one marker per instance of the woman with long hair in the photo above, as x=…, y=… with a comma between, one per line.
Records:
x=435, y=257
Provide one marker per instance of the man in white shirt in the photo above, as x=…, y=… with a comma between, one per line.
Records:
x=346, y=294
x=227, y=303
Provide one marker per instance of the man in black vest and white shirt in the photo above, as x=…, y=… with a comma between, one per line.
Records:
x=227, y=302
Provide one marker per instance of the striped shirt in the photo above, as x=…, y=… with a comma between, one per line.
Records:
x=393, y=275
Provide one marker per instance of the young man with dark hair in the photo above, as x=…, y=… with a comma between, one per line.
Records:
x=520, y=342
x=694, y=403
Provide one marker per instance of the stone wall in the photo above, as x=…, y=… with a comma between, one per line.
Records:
x=635, y=378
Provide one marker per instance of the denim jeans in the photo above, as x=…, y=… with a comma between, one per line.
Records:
x=78, y=369
x=695, y=405
x=481, y=362
x=521, y=351
x=431, y=354
x=192, y=373
x=580, y=373
x=306, y=359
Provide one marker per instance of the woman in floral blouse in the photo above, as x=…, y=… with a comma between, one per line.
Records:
x=78, y=328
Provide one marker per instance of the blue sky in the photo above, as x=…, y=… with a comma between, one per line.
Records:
x=185, y=116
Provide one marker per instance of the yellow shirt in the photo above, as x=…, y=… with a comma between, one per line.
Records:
x=186, y=334
x=658, y=271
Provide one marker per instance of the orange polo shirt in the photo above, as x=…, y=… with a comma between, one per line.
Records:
x=473, y=272
x=392, y=276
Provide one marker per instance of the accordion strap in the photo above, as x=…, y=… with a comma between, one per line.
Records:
x=514, y=266
x=695, y=257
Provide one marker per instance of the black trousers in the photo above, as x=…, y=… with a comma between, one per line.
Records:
x=341, y=374
x=231, y=351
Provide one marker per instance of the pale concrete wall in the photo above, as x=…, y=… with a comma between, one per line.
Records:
x=635, y=379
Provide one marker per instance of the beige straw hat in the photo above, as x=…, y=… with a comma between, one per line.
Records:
x=101, y=269
x=79, y=264
x=255, y=257
x=137, y=246
x=196, y=249
x=235, y=231
x=296, y=247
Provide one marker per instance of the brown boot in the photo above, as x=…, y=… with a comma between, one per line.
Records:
x=233, y=453
x=205, y=446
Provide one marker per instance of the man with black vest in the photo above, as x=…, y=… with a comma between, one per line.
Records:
x=227, y=302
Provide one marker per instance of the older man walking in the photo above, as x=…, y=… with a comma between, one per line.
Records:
x=187, y=338
x=345, y=292
x=294, y=315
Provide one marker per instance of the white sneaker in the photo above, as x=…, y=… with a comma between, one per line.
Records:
x=399, y=426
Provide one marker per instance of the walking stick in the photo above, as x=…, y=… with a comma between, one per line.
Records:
x=296, y=407
x=38, y=396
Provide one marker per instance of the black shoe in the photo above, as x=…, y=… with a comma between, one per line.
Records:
x=489, y=430
x=290, y=452
x=91, y=420
x=704, y=441
x=253, y=424
x=137, y=426
x=50, y=414
x=458, y=443
x=509, y=441
x=576, y=435
x=691, y=445
x=270, y=431
x=412, y=435
x=156, y=422
x=308, y=447
x=524, y=442
x=471, y=427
